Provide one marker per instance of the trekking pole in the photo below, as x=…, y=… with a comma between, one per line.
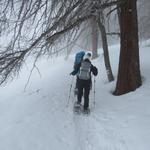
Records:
x=70, y=91
x=94, y=91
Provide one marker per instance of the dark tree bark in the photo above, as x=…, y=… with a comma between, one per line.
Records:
x=129, y=78
x=105, y=49
x=94, y=36
x=119, y=17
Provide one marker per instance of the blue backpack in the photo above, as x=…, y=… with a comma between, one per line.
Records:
x=79, y=57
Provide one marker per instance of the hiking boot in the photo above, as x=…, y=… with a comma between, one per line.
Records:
x=78, y=104
x=86, y=110
x=77, y=107
x=75, y=91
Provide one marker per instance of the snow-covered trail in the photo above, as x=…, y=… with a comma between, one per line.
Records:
x=38, y=118
x=94, y=132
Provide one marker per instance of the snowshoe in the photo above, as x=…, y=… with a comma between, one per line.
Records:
x=86, y=111
x=75, y=91
x=77, y=108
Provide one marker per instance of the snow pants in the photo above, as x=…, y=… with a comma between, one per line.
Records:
x=84, y=88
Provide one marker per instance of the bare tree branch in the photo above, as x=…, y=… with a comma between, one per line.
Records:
x=34, y=27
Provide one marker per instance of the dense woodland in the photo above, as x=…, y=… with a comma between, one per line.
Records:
x=37, y=28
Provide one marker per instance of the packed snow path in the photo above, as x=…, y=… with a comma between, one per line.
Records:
x=37, y=118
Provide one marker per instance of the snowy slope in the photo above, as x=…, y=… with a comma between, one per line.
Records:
x=37, y=118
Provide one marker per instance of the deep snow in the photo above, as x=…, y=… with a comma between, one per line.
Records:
x=37, y=117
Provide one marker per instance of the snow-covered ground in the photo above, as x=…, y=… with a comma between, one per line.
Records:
x=37, y=117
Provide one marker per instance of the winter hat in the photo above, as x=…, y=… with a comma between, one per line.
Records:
x=88, y=56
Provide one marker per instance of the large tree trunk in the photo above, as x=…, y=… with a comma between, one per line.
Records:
x=129, y=77
x=94, y=37
x=105, y=49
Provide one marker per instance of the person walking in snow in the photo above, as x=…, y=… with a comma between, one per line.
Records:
x=78, y=58
x=83, y=72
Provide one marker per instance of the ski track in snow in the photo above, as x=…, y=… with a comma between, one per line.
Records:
x=93, y=135
x=92, y=132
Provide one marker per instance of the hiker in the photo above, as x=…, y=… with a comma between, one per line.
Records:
x=78, y=58
x=83, y=71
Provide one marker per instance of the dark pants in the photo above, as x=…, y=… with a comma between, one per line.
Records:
x=76, y=86
x=84, y=88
